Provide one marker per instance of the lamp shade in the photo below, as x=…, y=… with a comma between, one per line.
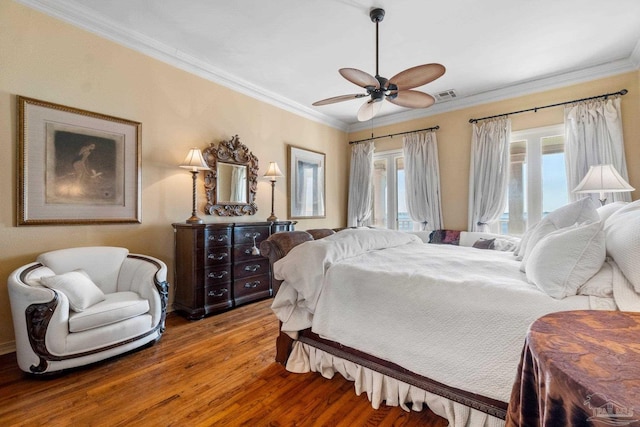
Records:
x=273, y=172
x=602, y=179
x=194, y=161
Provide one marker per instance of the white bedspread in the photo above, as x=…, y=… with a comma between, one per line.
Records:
x=457, y=315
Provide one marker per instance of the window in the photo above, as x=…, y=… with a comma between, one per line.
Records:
x=537, y=181
x=389, y=205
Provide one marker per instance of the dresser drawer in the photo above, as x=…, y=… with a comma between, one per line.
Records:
x=218, y=255
x=217, y=275
x=251, y=288
x=251, y=268
x=217, y=295
x=245, y=235
x=217, y=237
x=243, y=253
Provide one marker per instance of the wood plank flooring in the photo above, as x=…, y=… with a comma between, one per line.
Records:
x=216, y=371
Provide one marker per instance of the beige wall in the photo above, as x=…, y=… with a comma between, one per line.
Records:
x=43, y=58
x=46, y=59
x=454, y=135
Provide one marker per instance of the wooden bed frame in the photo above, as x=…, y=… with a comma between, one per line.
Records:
x=276, y=247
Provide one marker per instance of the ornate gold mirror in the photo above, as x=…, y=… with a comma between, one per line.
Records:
x=232, y=181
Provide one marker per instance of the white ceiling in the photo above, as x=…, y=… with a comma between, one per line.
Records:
x=288, y=52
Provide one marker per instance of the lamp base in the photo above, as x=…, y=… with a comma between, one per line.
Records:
x=272, y=217
x=194, y=220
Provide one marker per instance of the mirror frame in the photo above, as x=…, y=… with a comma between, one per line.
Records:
x=234, y=152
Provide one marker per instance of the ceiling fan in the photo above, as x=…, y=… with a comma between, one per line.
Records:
x=396, y=90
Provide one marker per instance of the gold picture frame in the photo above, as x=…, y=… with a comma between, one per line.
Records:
x=306, y=178
x=76, y=166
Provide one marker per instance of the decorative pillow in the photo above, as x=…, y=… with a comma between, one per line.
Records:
x=484, y=244
x=584, y=210
x=77, y=286
x=622, y=232
x=446, y=237
x=565, y=259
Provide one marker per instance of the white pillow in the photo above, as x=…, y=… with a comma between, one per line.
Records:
x=77, y=286
x=601, y=284
x=565, y=259
x=622, y=232
x=583, y=210
x=606, y=211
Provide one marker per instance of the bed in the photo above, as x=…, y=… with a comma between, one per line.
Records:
x=415, y=323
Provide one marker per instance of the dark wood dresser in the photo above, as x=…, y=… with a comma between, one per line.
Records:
x=216, y=267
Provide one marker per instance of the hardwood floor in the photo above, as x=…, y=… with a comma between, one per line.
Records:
x=216, y=371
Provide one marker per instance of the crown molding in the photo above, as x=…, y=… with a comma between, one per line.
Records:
x=526, y=88
x=84, y=18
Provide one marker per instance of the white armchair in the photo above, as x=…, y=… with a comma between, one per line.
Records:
x=91, y=304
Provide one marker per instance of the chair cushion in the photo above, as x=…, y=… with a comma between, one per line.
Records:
x=77, y=286
x=115, y=307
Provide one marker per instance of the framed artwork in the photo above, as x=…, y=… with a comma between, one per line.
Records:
x=76, y=166
x=306, y=179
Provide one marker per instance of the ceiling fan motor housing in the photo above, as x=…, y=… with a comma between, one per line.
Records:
x=376, y=15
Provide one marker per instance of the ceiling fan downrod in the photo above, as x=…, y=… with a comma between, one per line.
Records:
x=378, y=94
x=376, y=15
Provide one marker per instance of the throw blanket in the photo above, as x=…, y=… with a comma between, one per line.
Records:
x=454, y=314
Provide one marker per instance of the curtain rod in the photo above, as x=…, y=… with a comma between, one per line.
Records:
x=394, y=134
x=535, y=109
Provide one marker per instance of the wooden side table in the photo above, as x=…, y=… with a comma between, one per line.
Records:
x=579, y=368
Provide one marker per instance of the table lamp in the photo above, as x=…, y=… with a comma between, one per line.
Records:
x=602, y=179
x=272, y=173
x=195, y=163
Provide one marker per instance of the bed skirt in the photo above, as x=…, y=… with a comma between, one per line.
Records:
x=382, y=388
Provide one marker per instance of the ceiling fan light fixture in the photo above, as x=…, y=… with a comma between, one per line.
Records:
x=369, y=110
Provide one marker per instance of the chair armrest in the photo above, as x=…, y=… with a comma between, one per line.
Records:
x=148, y=277
x=40, y=315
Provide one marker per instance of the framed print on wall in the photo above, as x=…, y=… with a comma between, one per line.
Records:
x=306, y=178
x=76, y=166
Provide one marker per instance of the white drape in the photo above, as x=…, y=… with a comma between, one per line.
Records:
x=422, y=179
x=489, y=172
x=360, y=184
x=593, y=137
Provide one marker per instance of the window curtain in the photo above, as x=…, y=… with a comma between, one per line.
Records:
x=489, y=173
x=360, y=184
x=594, y=137
x=422, y=179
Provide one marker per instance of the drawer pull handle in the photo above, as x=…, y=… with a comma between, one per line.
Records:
x=218, y=238
x=251, y=235
x=252, y=268
x=217, y=274
x=218, y=293
x=252, y=284
x=217, y=257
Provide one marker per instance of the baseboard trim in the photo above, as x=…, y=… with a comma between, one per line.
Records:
x=7, y=347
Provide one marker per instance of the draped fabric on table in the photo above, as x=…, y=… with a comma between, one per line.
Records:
x=594, y=137
x=489, y=172
x=422, y=179
x=360, y=184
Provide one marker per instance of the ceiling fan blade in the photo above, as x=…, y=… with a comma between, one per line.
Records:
x=359, y=78
x=339, y=99
x=369, y=110
x=412, y=99
x=417, y=76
